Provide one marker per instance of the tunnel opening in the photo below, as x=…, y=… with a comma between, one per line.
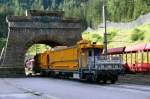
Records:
x=31, y=52
x=34, y=48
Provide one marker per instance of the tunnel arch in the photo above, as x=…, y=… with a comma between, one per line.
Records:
x=25, y=31
x=44, y=39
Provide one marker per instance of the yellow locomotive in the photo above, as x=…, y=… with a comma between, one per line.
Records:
x=82, y=61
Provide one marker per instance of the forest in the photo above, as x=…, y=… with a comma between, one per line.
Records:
x=89, y=11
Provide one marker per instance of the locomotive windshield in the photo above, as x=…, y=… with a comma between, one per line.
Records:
x=93, y=52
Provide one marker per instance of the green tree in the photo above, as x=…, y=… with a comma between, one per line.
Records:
x=138, y=6
x=137, y=35
x=37, y=5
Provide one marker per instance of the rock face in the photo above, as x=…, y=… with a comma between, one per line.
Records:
x=36, y=27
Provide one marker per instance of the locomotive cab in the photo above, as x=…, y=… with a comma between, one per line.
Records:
x=96, y=66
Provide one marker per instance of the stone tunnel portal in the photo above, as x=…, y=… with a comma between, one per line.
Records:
x=49, y=28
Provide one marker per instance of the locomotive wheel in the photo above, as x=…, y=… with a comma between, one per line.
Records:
x=104, y=81
x=30, y=75
x=99, y=79
x=89, y=78
x=43, y=74
x=114, y=79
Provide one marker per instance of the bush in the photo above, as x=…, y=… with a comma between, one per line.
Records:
x=111, y=35
x=137, y=35
x=97, y=38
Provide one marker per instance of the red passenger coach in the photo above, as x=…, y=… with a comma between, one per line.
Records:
x=136, y=58
x=147, y=52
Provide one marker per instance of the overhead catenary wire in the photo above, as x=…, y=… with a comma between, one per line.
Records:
x=6, y=45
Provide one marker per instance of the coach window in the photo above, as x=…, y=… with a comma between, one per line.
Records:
x=126, y=57
x=121, y=55
x=133, y=58
x=136, y=58
x=139, y=57
x=148, y=56
x=129, y=58
x=144, y=57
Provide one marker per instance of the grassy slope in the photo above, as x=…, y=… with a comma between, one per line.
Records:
x=119, y=38
x=126, y=36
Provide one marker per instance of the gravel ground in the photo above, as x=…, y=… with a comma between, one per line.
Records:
x=139, y=79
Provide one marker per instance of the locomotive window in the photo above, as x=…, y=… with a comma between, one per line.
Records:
x=96, y=52
x=90, y=52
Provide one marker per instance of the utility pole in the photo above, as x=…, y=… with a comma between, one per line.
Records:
x=105, y=32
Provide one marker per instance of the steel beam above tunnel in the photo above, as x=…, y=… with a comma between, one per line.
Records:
x=51, y=28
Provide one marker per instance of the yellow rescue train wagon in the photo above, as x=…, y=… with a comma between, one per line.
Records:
x=82, y=61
